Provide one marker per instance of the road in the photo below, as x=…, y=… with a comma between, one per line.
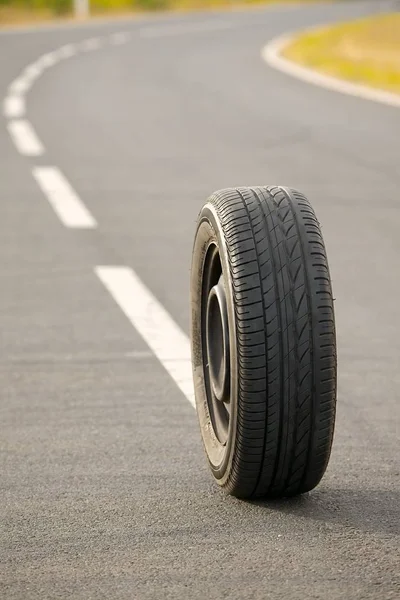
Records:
x=105, y=492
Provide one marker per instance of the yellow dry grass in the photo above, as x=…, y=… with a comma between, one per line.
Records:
x=13, y=15
x=365, y=51
x=17, y=13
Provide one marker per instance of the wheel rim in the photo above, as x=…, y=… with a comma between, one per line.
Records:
x=216, y=348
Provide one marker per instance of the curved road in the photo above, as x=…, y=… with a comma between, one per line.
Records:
x=105, y=492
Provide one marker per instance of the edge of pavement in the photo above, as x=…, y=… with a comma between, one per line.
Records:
x=272, y=55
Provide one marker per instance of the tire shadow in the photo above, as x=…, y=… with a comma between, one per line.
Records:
x=372, y=511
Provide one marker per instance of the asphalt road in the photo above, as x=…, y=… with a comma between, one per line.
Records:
x=105, y=492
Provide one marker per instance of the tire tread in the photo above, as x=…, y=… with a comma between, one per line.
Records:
x=286, y=345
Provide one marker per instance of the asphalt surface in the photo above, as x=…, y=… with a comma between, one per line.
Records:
x=105, y=492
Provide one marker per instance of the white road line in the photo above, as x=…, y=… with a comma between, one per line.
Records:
x=66, y=51
x=165, y=338
x=183, y=29
x=25, y=138
x=20, y=85
x=32, y=72
x=90, y=44
x=272, y=54
x=64, y=200
x=119, y=38
x=14, y=107
x=48, y=60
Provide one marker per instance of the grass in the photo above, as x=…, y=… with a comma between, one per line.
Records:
x=365, y=51
x=32, y=11
x=13, y=15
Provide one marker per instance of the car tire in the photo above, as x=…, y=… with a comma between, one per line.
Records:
x=263, y=342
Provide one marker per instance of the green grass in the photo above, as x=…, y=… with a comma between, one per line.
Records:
x=365, y=51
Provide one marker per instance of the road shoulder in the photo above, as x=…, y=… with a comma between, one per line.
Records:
x=291, y=54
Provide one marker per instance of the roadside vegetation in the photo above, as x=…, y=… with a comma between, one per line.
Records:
x=19, y=11
x=365, y=51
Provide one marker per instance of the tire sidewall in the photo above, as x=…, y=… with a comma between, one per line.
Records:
x=209, y=230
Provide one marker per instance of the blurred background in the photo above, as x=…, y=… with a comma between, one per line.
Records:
x=15, y=10
x=367, y=50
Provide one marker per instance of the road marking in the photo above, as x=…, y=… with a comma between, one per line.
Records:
x=14, y=107
x=165, y=338
x=183, y=29
x=32, y=72
x=119, y=38
x=272, y=54
x=20, y=85
x=47, y=60
x=90, y=44
x=25, y=138
x=64, y=200
x=67, y=51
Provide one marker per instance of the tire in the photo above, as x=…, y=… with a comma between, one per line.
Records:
x=263, y=342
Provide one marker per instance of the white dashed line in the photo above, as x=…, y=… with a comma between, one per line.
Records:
x=91, y=44
x=272, y=54
x=14, y=107
x=48, y=60
x=32, y=72
x=64, y=200
x=122, y=37
x=66, y=51
x=20, y=85
x=25, y=138
x=165, y=338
